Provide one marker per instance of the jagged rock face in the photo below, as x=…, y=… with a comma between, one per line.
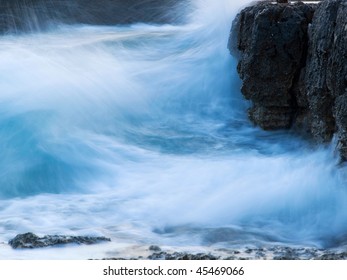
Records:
x=19, y=15
x=294, y=72
x=341, y=123
x=272, y=40
x=326, y=73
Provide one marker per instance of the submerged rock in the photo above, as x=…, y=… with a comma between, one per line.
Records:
x=31, y=241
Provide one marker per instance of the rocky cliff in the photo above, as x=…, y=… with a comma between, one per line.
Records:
x=293, y=64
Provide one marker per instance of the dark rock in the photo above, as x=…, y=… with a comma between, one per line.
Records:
x=230, y=258
x=181, y=256
x=31, y=241
x=270, y=118
x=277, y=252
x=154, y=248
x=333, y=256
x=341, y=123
x=326, y=72
x=19, y=15
x=293, y=64
x=260, y=255
x=112, y=259
x=286, y=253
x=272, y=41
x=248, y=251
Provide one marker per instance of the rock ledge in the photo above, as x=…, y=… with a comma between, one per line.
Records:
x=31, y=241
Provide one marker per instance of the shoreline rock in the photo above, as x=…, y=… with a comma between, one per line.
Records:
x=262, y=253
x=32, y=241
x=154, y=252
x=326, y=73
x=293, y=65
x=272, y=43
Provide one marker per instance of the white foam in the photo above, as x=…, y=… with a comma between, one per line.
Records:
x=140, y=133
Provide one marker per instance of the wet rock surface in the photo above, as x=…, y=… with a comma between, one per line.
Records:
x=326, y=73
x=32, y=241
x=277, y=252
x=293, y=64
x=272, y=43
x=182, y=256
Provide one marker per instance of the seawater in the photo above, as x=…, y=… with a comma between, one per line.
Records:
x=140, y=133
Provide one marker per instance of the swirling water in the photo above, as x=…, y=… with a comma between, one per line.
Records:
x=140, y=133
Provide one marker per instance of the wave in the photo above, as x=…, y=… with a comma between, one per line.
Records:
x=145, y=125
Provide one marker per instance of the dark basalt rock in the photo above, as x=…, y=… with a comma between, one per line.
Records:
x=326, y=73
x=272, y=42
x=31, y=241
x=293, y=64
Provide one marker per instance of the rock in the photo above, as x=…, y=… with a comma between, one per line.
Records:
x=181, y=256
x=270, y=118
x=267, y=252
x=248, y=251
x=326, y=73
x=340, y=113
x=272, y=41
x=293, y=65
x=333, y=256
x=154, y=248
x=31, y=241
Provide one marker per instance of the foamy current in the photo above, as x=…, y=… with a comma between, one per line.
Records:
x=140, y=133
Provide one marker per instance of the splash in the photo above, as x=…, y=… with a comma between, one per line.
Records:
x=140, y=132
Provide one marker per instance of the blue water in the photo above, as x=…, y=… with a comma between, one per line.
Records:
x=140, y=133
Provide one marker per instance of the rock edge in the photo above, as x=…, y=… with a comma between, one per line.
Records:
x=32, y=241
